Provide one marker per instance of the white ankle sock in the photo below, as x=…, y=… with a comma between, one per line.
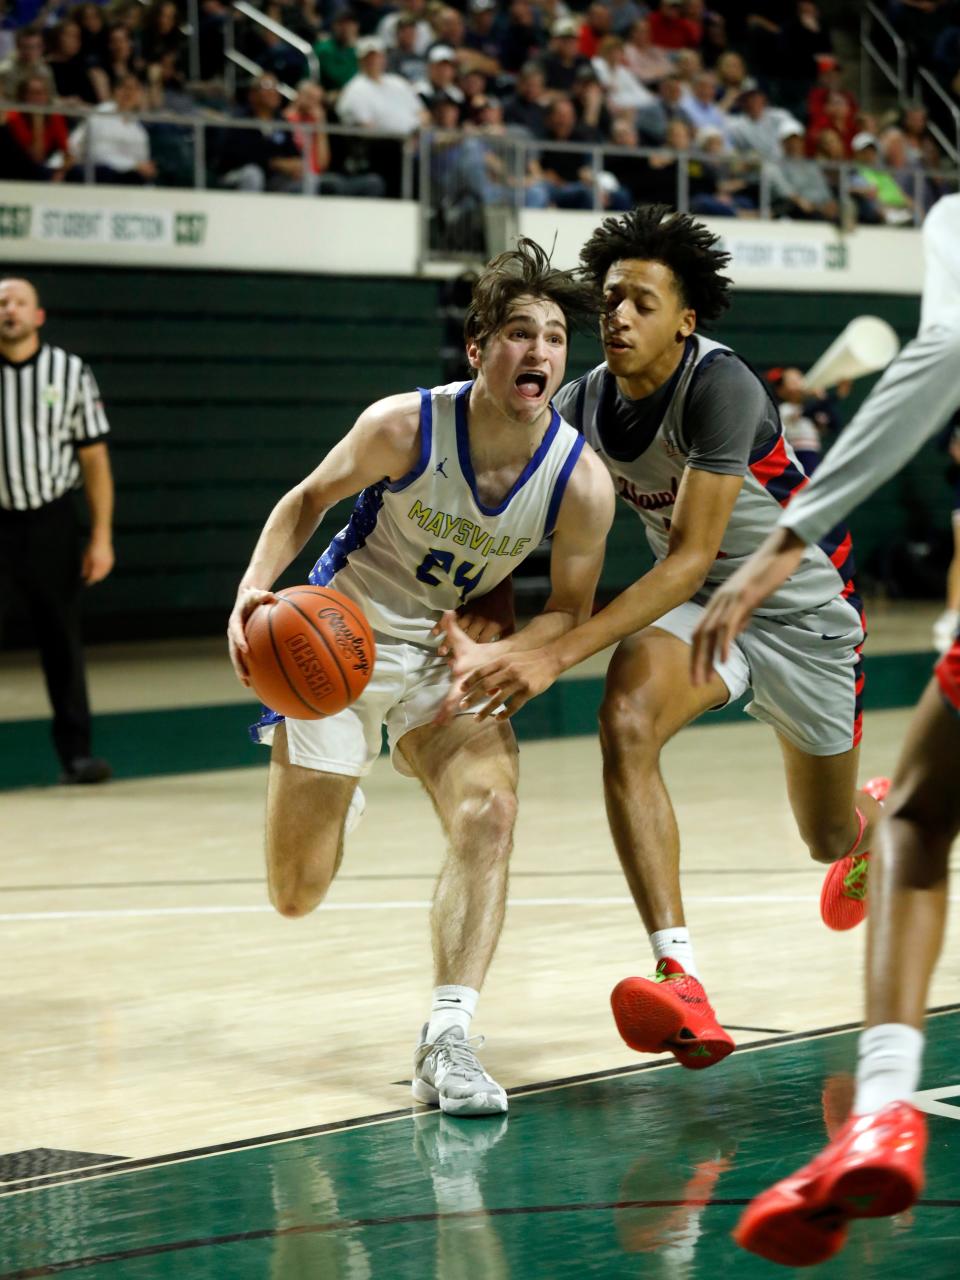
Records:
x=888, y=1069
x=676, y=944
x=452, y=1007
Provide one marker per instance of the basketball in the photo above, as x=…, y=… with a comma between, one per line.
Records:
x=311, y=653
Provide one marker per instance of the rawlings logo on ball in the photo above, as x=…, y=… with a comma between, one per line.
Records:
x=352, y=646
x=301, y=652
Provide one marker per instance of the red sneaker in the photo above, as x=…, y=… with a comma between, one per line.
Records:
x=843, y=898
x=872, y=1168
x=670, y=1011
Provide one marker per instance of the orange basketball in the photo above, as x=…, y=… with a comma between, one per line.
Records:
x=311, y=653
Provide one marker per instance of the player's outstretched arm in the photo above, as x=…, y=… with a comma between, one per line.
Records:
x=523, y=665
x=383, y=443
x=911, y=402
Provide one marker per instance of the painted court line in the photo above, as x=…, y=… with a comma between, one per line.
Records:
x=96, y=1173
x=417, y=904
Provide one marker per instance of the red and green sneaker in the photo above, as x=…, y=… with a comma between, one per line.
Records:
x=843, y=898
x=670, y=1013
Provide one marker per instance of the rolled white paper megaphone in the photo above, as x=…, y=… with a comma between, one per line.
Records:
x=866, y=345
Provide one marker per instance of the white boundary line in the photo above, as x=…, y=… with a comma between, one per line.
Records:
x=416, y=904
x=124, y=1167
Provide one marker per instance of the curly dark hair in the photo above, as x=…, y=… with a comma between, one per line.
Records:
x=656, y=233
x=527, y=272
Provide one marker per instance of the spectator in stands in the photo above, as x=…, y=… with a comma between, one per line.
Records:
x=374, y=99
x=670, y=28
x=526, y=107
x=41, y=138
x=415, y=9
x=89, y=17
x=115, y=144
x=829, y=82
x=880, y=198
x=402, y=57
x=800, y=427
x=687, y=65
x=838, y=115
x=722, y=189
x=211, y=38
x=623, y=14
x=647, y=62
x=805, y=37
x=161, y=33
x=450, y=30
x=26, y=61
x=492, y=174
x=121, y=60
x=273, y=53
x=661, y=171
x=734, y=80
x=797, y=186
x=568, y=174
x=441, y=78
x=715, y=42
x=937, y=185
x=590, y=104
x=264, y=159
x=522, y=39
x=757, y=130
x=652, y=121
x=563, y=58
x=700, y=104
x=624, y=91
x=70, y=68
x=945, y=55
x=337, y=54
x=914, y=122
x=481, y=35
x=309, y=109
x=597, y=25
x=764, y=32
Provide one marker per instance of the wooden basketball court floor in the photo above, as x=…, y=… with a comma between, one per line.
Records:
x=194, y=1087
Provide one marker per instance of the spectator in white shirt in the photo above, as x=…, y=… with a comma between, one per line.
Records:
x=624, y=90
x=117, y=146
x=700, y=103
x=648, y=62
x=757, y=131
x=373, y=99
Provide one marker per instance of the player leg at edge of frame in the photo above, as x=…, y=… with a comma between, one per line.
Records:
x=874, y=1165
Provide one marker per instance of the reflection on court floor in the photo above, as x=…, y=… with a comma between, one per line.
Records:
x=641, y=1173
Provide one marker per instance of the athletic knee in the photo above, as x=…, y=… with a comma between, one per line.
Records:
x=828, y=841
x=628, y=730
x=486, y=819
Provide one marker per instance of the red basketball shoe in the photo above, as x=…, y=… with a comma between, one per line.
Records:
x=671, y=1012
x=872, y=1168
x=843, y=898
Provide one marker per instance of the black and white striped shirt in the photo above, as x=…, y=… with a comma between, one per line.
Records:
x=49, y=408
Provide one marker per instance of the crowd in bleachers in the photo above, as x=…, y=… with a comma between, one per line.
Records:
x=742, y=95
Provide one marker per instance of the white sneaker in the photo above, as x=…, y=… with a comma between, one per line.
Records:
x=447, y=1074
x=945, y=630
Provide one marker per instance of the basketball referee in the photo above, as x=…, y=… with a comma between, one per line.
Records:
x=52, y=436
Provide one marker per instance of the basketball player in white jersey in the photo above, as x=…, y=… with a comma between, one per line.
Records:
x=694, y=443
x=458, y=485
x=874, y=1165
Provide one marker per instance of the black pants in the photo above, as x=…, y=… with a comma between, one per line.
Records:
x=40, y=559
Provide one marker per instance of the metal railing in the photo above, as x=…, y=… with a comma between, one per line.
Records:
x=235, y=58
x=927, y=82
x=204, y=169
x=894, y=72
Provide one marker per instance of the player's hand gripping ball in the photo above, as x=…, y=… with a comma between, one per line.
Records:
x=311, y=653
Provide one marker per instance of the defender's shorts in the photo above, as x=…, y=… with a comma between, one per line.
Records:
x=406, y=690
x=804, y=670
x=947, y=672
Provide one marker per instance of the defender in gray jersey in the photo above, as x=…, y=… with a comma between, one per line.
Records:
x=693, y=441
x=458, y=484
x=874, y=1165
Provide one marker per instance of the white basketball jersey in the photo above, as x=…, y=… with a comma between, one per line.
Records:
x=427, y=542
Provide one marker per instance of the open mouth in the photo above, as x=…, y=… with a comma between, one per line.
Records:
x=531, y=385
x=615, y=344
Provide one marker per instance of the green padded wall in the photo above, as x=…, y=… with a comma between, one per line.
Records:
x=225, y=389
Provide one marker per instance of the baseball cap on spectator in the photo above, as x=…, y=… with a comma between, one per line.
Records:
x=441, y=53
x=481, y=6
x=564, y=27
x=861, y=141
x=789, y=129
x=369, y=44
